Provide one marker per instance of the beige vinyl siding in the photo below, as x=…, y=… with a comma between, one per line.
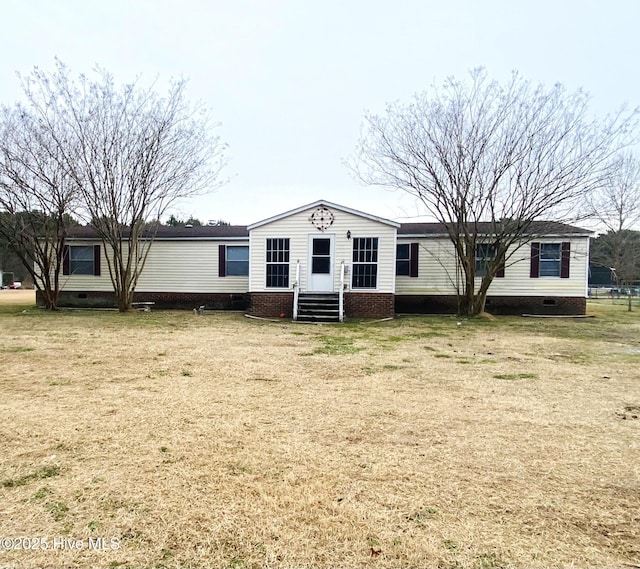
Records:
x=437, y=271
x=436, y=268
x=188, y=266
x=298, y=228
x=172, y=266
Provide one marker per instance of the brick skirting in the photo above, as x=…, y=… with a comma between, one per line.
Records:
x=356, y=304
x=368, y=305
x=271, y=304
x=162, y=300
x=499, y=305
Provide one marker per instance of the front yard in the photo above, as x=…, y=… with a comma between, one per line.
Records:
x=220, y=441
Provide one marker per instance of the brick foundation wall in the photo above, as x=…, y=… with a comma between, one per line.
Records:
x=498, y=305
x=271, y=304
x=357, y=304
x=368, y=305
x=163, y=300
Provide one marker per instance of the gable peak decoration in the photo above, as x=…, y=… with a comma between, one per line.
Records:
x=322, y=218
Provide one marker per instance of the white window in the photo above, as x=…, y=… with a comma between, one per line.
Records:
x=278, y=263
x=237, y=260
x=365, y=262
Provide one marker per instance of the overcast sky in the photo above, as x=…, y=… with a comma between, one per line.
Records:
x=290, y=79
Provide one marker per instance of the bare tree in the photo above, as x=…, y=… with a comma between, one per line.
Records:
x=37, y=196
x=616, y=207
x=487, y=160
x=132, y=154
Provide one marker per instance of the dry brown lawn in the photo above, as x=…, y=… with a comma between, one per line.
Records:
x=219, y=441
x=17, y=297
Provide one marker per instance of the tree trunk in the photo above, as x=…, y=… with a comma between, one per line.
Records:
x=472, y=303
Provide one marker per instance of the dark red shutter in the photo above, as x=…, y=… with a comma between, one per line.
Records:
x=222, y=260
x=96, y=260
x=500, y=271
x=535, y=261
x=65, y=260
x=565, y=260
x=413, y=260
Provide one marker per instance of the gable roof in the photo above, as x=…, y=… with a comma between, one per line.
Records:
x=325, y=203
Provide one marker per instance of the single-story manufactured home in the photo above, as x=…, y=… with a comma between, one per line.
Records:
x=324, y=261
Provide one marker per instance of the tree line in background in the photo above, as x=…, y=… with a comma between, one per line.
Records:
x=473, y=151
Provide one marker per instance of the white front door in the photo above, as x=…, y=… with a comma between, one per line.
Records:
x=320, y=273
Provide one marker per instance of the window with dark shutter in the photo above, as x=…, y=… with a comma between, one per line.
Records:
x=407, y=259
x=403, y=259
x=550, y=260
x=81, y=260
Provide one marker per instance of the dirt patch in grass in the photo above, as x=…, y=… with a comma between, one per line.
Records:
x=17, y=297
x=219, y=441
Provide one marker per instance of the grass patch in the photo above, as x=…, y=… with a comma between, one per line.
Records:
x=17, y=349
x=423, y=335
x=515, y=376
x=395, y=339
x=422, y=516
x=490, y=560
x=42, y=473
x=336, y=345
x=451, y=545
x=58, y=510
x=41, y=494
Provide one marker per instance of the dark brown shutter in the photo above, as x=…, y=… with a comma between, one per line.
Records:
x=96, y=260
x=413, y=260
x=65, y=260
x=500, y=271
x=222, y=260
x=535, y=261
x=565, y=260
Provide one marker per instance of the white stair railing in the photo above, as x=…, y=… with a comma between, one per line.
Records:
x=296, y=291
x=341, y=294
